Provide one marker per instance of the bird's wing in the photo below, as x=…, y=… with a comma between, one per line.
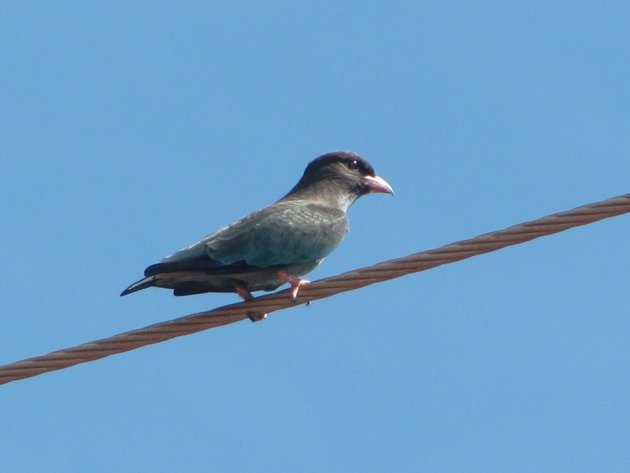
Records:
x=281, y=234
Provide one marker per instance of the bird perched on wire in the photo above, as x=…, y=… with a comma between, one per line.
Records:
x=277, y=244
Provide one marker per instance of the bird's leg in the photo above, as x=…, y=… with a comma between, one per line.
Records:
x=295, y=282
x=242, y=291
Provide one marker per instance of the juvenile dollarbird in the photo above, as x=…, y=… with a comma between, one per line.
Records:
x=274, y=245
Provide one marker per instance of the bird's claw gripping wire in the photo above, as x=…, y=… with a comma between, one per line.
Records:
x=242, y=291
x=293, y=281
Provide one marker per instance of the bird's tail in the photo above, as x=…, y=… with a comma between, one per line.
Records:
x=139, y=285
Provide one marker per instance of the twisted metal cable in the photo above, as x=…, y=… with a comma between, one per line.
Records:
x=316, y=290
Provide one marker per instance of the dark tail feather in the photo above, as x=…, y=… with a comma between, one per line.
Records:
x=137, y=286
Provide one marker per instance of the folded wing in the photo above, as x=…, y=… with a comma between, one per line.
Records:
x=282, y=234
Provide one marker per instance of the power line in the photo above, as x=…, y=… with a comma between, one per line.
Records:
x=316, y=290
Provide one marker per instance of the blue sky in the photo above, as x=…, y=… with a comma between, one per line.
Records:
x=129, y=130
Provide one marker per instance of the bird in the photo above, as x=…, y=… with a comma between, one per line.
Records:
x=277, y=244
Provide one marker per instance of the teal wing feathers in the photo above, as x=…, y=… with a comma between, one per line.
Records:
x=282, y=234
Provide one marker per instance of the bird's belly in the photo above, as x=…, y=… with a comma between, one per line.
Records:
x=255, y=279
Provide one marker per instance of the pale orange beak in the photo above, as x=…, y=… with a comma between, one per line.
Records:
x=378, y=185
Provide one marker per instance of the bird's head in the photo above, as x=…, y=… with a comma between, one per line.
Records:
x=339, y=177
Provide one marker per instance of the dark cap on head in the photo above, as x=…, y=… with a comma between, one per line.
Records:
x=339, y=176
x=349, y=159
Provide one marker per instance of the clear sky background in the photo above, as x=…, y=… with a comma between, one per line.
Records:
x=131, y=129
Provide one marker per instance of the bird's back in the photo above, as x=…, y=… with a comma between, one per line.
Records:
x=283, y=233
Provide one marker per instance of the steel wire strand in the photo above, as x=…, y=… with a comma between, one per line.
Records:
x=316, y=290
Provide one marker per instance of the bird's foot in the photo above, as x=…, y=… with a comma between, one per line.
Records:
x=247, y=296
x=293, y=281
x=256, y=316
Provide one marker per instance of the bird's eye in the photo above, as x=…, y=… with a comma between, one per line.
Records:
x=354, y=164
